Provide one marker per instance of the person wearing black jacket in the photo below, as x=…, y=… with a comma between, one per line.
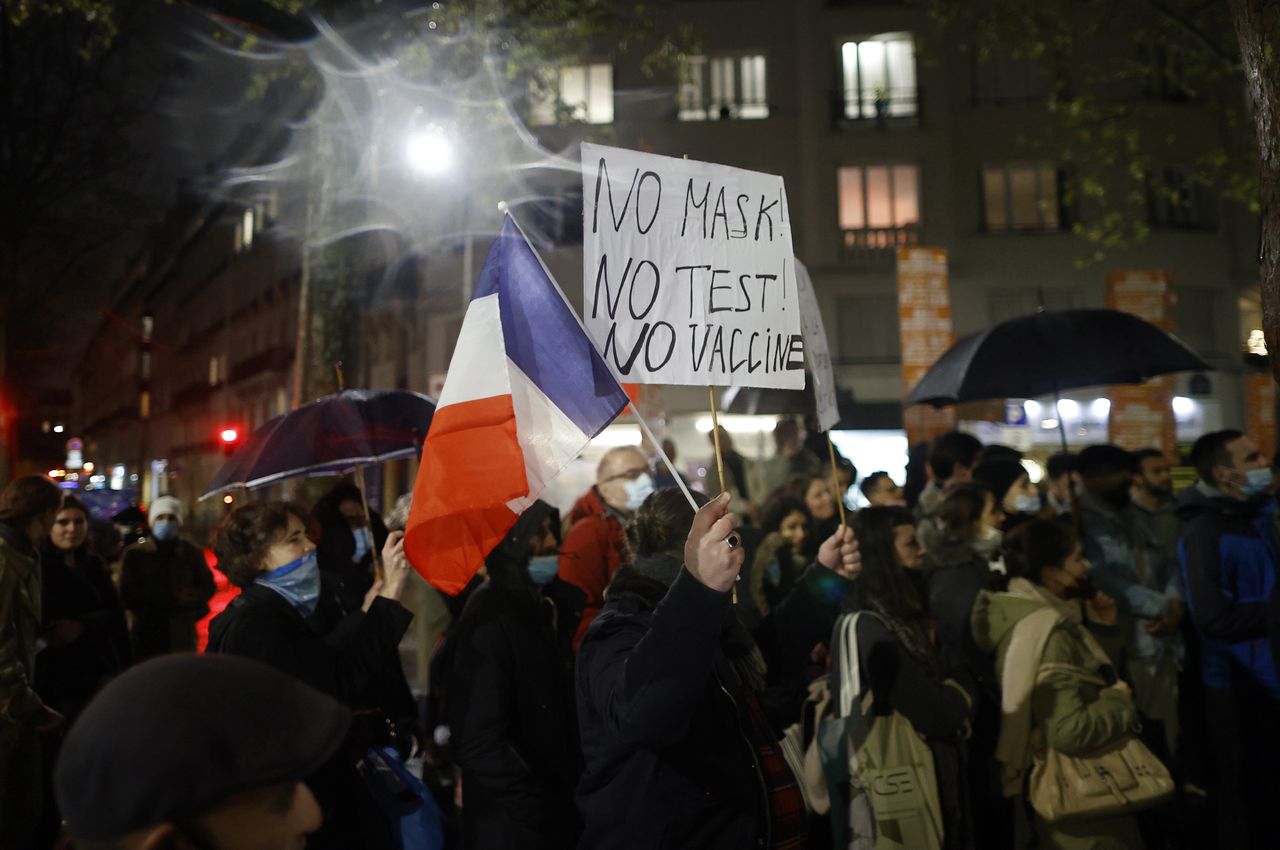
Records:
x=345, y=546
x=678, y=753
x=264, y=549
x=84, y=622
x=508, y=701
x=905, y=669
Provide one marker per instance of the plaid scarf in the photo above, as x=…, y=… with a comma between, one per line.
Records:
x=787, y=813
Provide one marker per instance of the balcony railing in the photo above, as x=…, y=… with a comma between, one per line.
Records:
x=876, y=245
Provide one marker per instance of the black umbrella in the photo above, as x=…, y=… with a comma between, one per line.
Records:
x=333, y=435
x=1048, y=352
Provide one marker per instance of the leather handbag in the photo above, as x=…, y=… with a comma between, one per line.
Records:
x=1120, y=779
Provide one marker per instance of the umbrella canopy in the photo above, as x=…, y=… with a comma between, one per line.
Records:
x=330, y=436
x=1048, y=352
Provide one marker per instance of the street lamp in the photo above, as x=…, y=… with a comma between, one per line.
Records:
x=428, y=151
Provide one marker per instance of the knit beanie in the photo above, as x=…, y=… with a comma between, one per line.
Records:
x=161, y=506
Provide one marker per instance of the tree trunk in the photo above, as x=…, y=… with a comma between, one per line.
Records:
x=1257, y=24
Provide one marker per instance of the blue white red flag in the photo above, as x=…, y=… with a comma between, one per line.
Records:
x=525, y=393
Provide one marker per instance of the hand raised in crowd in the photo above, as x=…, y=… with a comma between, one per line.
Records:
x=1102, y=609
x=708, y=554
x=839, y=553
x=395, y=566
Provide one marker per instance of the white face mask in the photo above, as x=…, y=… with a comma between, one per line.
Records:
x=638, y=489
x=1027, y=504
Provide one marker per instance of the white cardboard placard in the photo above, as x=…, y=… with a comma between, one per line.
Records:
x=689, y=274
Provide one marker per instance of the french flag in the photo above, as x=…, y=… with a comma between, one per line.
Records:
x=525, y=392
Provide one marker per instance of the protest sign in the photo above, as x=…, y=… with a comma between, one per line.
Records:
x=689, y=274
x=817, y=351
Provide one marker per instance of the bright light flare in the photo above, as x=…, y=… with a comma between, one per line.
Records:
x=1183, y=407
x=1068, y=408
x=1101, y=408
x=429, y=152
x=229, y=435
x=1032, y=408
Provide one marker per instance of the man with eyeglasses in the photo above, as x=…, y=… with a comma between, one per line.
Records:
x=595, y=544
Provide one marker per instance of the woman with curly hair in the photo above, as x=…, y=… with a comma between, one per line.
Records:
x=265, y=550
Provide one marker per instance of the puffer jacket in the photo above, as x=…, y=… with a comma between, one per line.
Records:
x=1229, y=556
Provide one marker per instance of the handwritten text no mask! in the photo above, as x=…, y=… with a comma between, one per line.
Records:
x=688, y=272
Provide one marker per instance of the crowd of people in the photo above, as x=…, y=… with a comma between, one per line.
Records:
x=645, y=672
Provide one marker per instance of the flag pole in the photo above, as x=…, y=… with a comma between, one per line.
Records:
x=671, y=467
x=835, y=479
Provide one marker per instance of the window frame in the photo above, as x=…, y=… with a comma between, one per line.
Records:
x=1064, y=218
x=733, y=110
x=550, y=109
x=854, y=98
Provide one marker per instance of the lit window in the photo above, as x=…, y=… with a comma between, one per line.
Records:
x=246, y=229
x=879, y=209
x=148, y=325
x=722, y=87
x=144, y=405
x=1021, y=197
x=879, y=76
x=879, y=196
x=214, y=371
x=575, y=93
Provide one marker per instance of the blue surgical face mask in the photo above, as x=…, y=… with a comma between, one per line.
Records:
x=542, y=569
x=1027, y=504
x=165, y=529
x=297, y=581
x=364, y=543
x=638, y=489
x=1257, y=482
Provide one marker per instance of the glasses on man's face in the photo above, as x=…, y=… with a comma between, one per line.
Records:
x=629, y=475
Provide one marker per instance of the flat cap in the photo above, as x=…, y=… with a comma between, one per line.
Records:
x=178, y=735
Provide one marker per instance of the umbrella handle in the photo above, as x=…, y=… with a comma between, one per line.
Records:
x=378, y=572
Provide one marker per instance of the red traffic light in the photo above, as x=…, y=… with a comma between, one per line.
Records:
x=229, y=435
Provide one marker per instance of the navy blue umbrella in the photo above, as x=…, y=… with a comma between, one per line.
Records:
x=333, y=435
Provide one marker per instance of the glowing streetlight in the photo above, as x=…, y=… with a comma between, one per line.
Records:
x=429, y=151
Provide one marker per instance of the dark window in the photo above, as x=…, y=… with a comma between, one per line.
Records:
x=1177, y=201
x=1022, y=198
x=1004, y=78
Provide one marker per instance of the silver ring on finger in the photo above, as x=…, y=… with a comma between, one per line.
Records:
x=733, y=540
